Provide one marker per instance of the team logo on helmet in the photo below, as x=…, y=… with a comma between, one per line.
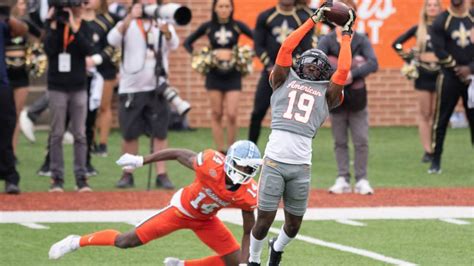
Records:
x=244, y=154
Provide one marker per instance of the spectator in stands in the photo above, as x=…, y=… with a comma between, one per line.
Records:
x=16, y=63
x=273, y=26
x=67, y=43
x=145, y=43
x=427, y=67
x=9, y=26
x=450, y=36
x=223, y=82
x=352, y=114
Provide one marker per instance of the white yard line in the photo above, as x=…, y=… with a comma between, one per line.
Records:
x=357, y=251
x=30, y=218
x=34, y=225
x=350, y=222
x=313, y=214
x=454, y=221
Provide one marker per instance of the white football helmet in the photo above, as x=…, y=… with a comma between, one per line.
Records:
x=242, y=153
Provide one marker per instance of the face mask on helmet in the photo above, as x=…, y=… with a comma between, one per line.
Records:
x=313, y=65
x=242, y=162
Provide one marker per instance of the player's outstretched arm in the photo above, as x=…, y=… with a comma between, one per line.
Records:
x=249, y=221
x=344, y=62
x=284, y=59
x=184, y=156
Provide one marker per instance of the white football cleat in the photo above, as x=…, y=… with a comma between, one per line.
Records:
x=341, y=186
x=61, y=248
x=363, y=187
x=27, y=126
x=170, y=261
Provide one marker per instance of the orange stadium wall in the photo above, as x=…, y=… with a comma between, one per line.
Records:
x=392, y=99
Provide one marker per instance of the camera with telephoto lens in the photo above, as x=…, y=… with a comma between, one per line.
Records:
x=171, y=13
x=171, y=95
x=4, y=12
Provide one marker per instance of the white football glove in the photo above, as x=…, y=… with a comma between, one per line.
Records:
x=318, y=15
x=347, y=28
x=130, y=161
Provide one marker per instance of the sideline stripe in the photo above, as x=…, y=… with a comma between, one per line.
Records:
x=313, y=214
x=357, y=251
x=454, y=221
x=34, y=225
x=350, y=222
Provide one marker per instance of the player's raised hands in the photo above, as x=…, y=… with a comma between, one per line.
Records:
x=347, y=28
x=130, y=161
x=318, y=15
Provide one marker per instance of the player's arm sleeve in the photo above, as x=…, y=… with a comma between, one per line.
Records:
x=259, y=40
x=284, y=58
x=439, y=44
x=285, y=54
x=188, y=42
x=397, y=45
x=371, y=65
x=335, y=94
x=344, y=61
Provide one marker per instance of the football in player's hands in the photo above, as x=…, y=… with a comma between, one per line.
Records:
x=338, y=14
x=130, y=161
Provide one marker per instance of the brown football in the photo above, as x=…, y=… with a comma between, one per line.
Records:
x=339, y=14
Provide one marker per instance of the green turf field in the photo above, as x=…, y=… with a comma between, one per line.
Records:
x=425, y=242
x=394, y=160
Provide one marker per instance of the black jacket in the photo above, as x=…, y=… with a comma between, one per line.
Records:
x=79, y=48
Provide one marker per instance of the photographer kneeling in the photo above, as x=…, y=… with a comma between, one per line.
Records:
x=145, y=43
x=67, y=43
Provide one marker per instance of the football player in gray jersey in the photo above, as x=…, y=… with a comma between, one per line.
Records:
x=302, y=96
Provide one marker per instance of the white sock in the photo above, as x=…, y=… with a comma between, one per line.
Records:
x=282, y=241
x=255, y=248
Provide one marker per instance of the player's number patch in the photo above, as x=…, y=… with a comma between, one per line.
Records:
x=305, y=104
x=205, y=208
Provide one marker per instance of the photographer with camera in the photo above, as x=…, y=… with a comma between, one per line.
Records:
x=145, y=41
x=67, y=44
x=9, y=26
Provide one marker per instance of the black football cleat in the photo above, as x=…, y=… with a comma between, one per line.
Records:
x=275, y=256
x=251, y=263
x=435, y=168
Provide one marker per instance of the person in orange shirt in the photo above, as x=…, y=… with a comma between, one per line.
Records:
x=220, y=181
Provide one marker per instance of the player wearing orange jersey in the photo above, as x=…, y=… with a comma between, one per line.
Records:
x=220, y=182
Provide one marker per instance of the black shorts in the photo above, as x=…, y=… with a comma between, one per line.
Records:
x=18, y=77
x=143, y=113
x=108, y=70
x=224, y=82
x=426, y=80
